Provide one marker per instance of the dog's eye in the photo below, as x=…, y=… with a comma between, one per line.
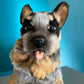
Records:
x=51, y=28
x=26, y=29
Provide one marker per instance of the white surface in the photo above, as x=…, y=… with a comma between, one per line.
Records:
x=4, y=80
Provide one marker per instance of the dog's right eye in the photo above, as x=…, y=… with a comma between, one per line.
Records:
x=29, y=28
x=26, y=29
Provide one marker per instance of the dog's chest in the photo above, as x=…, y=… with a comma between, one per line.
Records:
x=24, y=75
x=27, y=78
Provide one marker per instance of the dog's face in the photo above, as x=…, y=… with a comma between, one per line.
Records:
x=41, y=30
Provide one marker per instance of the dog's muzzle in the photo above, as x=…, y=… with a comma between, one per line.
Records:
x=38, y=41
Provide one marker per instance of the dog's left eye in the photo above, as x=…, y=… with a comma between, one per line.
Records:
x=51, y=28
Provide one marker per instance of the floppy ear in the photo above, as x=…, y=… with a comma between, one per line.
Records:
x=61, y=12
x=26, y=11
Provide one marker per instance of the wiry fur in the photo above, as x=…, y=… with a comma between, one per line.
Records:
x=24, y=75
x=28, y=69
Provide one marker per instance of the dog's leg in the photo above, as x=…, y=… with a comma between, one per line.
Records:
x=12, y=79
x=40, y=68
x=17, y=57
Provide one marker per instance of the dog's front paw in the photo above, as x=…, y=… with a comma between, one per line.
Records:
x=38, y=72
x=37, y=69
x=40, y=68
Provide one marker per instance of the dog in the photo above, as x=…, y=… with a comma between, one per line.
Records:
x=36, y=55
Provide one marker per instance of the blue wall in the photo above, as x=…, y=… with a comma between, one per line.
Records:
x=72, y=43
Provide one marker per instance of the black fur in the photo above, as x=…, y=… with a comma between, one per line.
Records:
x=56, y=24
x=27, y=23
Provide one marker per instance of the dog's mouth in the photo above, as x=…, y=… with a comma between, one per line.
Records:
x=39, y=54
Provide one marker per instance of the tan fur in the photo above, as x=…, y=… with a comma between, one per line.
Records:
x=59, y=81
x=13, y=79
x=57, y=17
x=29, y=17
x=26, y=11
x=17, y=57
x=61, y=14
x=50, y=17
x=41, y=68
x=60, y=36
x=27, y=63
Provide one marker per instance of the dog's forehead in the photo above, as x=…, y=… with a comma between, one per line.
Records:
x=41, y=18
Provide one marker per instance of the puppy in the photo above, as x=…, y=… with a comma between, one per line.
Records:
x=36, y=55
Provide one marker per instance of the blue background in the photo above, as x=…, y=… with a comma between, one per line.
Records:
x=72, y=42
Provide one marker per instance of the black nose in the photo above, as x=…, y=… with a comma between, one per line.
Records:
x=38, y=41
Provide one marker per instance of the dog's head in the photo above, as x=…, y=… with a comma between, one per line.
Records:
x=40, y=31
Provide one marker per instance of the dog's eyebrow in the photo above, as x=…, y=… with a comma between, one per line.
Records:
x=27, y=22
x=54, y=22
